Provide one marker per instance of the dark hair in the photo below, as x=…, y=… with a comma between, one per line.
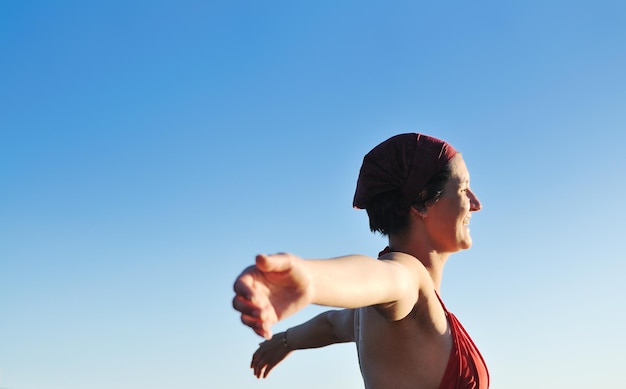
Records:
x=389, y=211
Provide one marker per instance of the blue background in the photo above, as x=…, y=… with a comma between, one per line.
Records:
x=149, y=149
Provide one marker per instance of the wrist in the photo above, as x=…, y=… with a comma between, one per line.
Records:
x=285, y=341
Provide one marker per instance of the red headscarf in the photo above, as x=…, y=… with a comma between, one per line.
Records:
x=405, y=162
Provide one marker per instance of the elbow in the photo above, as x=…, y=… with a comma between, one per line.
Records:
x=340, y=325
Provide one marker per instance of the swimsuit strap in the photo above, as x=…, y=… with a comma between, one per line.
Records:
x=441, y=302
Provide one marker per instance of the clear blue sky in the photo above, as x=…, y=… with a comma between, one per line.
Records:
x=149, y=149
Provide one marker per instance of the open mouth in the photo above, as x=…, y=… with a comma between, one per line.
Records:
x=466, y=221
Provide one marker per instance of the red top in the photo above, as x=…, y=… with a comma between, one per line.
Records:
x=466, y=367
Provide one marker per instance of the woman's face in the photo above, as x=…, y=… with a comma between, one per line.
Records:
x=448, y=220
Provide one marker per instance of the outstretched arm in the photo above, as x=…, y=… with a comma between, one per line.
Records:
x=282, y=284
x=324, y=329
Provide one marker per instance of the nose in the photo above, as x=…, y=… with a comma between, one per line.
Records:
x=475, y=204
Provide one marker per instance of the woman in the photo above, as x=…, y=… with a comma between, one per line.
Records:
x=416, y=191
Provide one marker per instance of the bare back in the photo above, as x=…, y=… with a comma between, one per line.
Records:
x=409, y=353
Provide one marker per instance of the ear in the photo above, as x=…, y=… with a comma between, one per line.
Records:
x=414, y=212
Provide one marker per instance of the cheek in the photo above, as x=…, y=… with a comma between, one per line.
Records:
x=463, y=207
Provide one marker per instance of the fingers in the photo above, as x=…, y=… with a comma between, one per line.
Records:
x=273, y=263
x=252, y=305
x=244, y=305
x=265, y=358
x=262, y=367
x=258, y=363
x=268, y=369
x=254, y=288
x=258, y=370
x=253, y=317
x=243, y=283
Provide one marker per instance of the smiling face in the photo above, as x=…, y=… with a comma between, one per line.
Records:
x=447, y=221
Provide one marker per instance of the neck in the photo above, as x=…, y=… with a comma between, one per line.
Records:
x=421, y=249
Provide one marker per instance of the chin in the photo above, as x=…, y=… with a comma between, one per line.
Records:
x=466, y=244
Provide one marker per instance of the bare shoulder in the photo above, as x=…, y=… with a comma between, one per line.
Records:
x=416, y=267
x=419, y=291
x=408, y=341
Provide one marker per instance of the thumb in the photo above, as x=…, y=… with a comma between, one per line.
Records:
x=273, y=263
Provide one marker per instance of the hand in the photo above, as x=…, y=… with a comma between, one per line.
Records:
x=276, y=287
x=269, y=354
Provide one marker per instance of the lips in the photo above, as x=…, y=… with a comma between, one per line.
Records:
x=466, y=221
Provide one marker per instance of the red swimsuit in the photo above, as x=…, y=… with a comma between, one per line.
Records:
x=466, y=368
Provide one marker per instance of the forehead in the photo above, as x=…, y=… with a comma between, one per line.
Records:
x=458, y=169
